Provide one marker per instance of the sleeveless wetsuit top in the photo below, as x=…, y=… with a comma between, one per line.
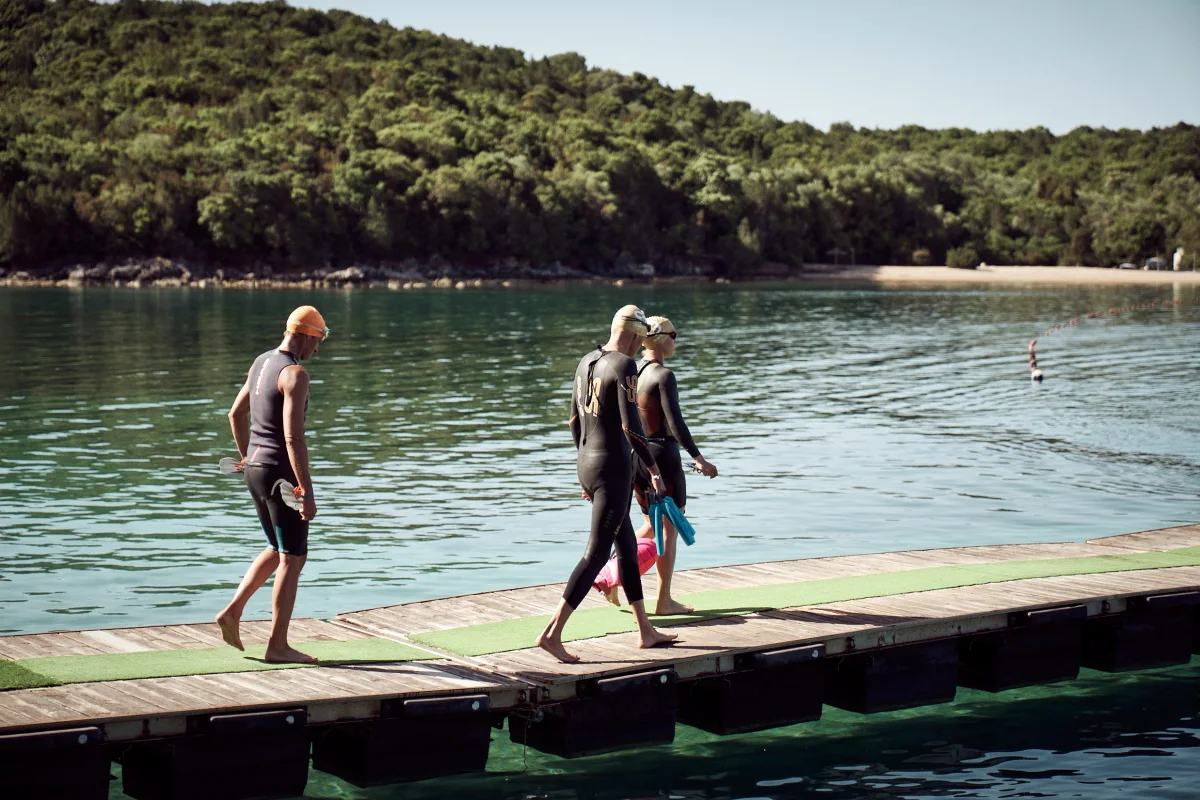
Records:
x=267, y=445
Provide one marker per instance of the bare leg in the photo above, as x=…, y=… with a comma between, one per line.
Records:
x=229, y=619
x=647, y=530
x=282, y=602
x=647, y=635
x=666, y=568
x=550, y=639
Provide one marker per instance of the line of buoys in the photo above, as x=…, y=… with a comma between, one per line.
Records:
x=1151, y=306
x=1036, y=374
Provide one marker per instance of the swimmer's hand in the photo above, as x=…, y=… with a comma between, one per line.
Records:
x=656, y=483
x=707, y=469
x=310, y=508
x=586, y=496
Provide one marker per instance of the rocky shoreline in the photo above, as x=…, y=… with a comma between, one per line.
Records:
x=410, y=274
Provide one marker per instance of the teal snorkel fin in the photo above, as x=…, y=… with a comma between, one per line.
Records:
x=686, y=531
x=656, y=520
x=664, y=508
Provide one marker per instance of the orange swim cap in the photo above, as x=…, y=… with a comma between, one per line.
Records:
x=308, y=321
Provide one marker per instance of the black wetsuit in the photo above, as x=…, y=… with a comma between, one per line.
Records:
x=267, y=462
x=658, y=405
x=605, y=426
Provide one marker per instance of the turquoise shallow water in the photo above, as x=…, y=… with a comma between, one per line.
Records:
x=843, y=418
x=1099, y=738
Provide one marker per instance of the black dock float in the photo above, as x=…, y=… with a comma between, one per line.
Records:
x=1037, y=647
x=412, y=740
x=232, y=735
x=766, y=690
x=891, y=678
x=230, y=756
x=54, y=765
x=608, y=714
x=1153, y=631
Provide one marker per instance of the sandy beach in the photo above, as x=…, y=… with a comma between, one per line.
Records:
x=1015, y=275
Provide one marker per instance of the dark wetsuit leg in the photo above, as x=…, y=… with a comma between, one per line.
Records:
x=286, y=531
x=610, y=489
x=666, y=455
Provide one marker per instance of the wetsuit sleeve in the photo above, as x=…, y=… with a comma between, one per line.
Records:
x=631, y=421
x=574, y=423
x=669, y=392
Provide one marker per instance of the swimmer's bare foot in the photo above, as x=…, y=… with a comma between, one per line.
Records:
x=674, y=607
x=288, y=655
x=656, y=638
x=613, y=596
x=555, y=648
x=228, y=622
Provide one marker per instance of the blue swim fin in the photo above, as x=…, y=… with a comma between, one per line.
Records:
x=686, y=531
x=656, y=521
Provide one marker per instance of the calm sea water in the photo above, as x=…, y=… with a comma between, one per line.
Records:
x=844, y=419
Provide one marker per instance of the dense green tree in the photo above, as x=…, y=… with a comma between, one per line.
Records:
x=261, y=131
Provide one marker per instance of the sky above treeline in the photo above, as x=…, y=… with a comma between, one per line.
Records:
x=937, y=63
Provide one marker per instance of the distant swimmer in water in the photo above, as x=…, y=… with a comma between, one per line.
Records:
x=662, y=419
x=605, y=426
x=268, y=424
x=1035, y=374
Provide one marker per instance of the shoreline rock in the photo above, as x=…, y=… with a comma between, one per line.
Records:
x=394, y=276
x=437, y=274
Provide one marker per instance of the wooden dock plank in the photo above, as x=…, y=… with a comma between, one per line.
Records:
x=98, y=703
x=618, y=652
x=1161, y=539
x=159, y=637
x=434, y=615
x=703, y=645
x=113, y=642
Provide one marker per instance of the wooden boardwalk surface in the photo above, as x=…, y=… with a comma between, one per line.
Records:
x=155, y=707
x=151, y=707
x=709, y=646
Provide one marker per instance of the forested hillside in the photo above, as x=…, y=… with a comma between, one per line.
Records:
x=257, y=131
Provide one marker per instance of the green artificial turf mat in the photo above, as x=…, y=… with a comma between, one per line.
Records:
x=518, y=634
x=208, y=661
x=16, y=676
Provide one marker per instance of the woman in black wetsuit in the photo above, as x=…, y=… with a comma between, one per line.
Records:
x=605, y=425
x=662, y=419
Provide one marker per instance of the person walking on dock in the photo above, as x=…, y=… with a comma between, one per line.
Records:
x=605, y=425
x=666, y=432
x=267, y=419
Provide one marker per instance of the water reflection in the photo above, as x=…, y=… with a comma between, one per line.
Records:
x=845, y=419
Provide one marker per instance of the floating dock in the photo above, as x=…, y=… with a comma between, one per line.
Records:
x=413, y=691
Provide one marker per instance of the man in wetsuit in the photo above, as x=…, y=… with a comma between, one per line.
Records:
x=605, y=426
x=666, y=432
x=267, y=419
